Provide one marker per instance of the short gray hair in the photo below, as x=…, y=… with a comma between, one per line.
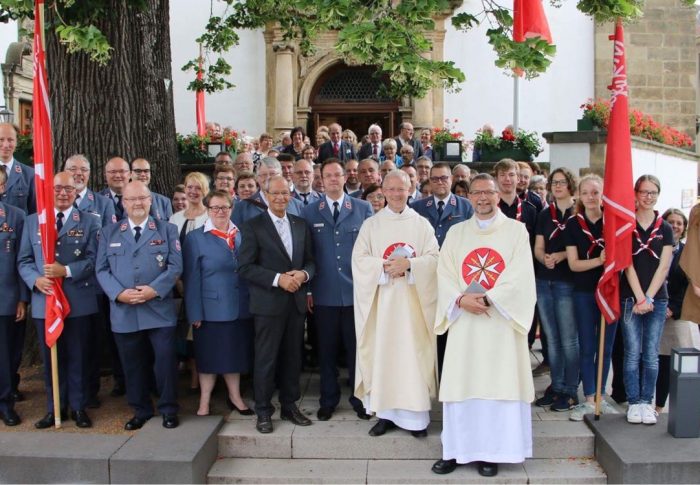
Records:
x=400, y=174
x=271, y=162
x=78, y=157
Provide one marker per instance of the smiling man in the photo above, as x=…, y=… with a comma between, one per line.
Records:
x=161, y=207
x=19, y=188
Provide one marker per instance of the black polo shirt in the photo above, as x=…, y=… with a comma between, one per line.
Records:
x=644, y=263
x=554, y=242
x=585, y=280
x=528, y=215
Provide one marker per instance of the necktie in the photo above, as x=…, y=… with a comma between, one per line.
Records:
x=137, y=233
x=374, y=150
x=335, y=149
x=441, y=207
x=59, y=221
x=336, y=212
x=283, y=231
x=304, y=196
x=76, y=202
x=119, y=207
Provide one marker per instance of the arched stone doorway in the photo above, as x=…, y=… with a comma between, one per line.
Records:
x=351, y=97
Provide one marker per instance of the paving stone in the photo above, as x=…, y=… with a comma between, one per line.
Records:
x=240, y=439
x=419, y=472
x=158, y=455
x=57, y=457
x=561, y=439
x=575, y=470
x=250, y=470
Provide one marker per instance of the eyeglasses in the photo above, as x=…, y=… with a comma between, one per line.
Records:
x=376, y=197
x=559, y=182
x=65, y=188
x=139, y=171
x=479, y=193
x=395, y=190
x=78, y=169
x=444, y=179
x=279, y=194
x=142, y=198
x=219, y=208
x=117, y=172
x=303, y=172
x=224, y=179
x=648, y=193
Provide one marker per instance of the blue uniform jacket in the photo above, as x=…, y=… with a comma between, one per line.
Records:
x=244, y=211
x=99, y=206
x=312, y=197
x=76, y=247
x=161, y=207
x=214, y=291
x=19, y=189
x=332, y=248
x=457, y=209
x=155, y=260
x=12, y=288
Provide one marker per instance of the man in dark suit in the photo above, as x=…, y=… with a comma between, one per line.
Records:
x=336, y=148
x=276, y=259
x=373, y=149
x=406, y=138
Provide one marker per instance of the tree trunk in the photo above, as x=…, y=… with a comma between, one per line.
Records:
x=124, y=108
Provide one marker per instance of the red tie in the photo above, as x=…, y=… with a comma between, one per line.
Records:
x=374, y=150
x=335, y=149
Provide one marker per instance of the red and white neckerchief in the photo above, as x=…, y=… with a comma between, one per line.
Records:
x=519, y=210
x=229, y=237
x=559, y=226
x=644, y=246
x=600, y=242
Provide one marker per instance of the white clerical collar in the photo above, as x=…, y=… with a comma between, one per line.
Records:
x=209, y=226
x=275, y=218
x=66, y=212
x=438, y=199
x=394, y=212
x=330, y=200
x=484, y=223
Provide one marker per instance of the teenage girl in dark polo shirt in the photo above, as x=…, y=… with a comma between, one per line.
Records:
x=585, y=251
x=644, y=300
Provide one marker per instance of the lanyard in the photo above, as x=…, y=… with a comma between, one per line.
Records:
x=644, y=246
x=600, y=242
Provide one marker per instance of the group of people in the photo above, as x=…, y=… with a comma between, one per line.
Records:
x=411, y=289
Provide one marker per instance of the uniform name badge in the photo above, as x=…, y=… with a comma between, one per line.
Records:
x=161, y=260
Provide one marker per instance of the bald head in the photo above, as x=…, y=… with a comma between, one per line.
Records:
x=141, y=170
x=137, y=201
x=117, y=174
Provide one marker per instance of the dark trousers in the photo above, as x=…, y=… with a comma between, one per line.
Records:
x=278, y=341
x=18, y=332
x=72, y=362
x=134, y=350
x=335, y=326
x=618, y=393
x=101, y=336
x=6, y=370
x=663, y=380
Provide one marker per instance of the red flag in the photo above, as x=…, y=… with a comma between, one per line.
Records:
x=618, y=192
x=529, y=20
x=57, y=308
x=201, y=119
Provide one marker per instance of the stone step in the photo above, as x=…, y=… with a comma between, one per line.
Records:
x=348, y=439
x=258, y=470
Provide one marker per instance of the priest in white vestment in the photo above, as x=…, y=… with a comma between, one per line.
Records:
x=394, y=271
x=486, y=298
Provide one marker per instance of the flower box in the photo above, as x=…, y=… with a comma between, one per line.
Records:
x=584, y=124
x=489, y=154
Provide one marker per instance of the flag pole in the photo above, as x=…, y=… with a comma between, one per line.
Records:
x=601, y=357
x=516, y=103
x=54, y=386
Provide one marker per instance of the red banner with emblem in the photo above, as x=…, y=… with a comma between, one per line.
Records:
x=618, y=192
x=57, y=308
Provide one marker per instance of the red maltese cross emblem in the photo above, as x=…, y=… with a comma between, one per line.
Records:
x=484, y=266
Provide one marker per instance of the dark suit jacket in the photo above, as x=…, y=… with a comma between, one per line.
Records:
x=417, y=147
x=345, y=151
x=366, y=151
x=262, y=256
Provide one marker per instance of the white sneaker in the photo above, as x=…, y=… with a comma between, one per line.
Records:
x=649, y=414
x=581, y=410
x=607, y=408
x=634, y=413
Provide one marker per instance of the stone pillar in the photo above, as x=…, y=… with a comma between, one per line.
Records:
x=423, y=107
x=284, y=87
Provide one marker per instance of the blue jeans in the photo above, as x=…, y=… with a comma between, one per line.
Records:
x=588, y=319
x=642, y=334
x=556, y=305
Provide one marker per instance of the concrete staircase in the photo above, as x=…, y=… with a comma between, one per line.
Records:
x=341, y=451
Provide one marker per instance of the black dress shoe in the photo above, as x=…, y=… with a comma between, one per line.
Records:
x=49, y=420
x=16, y=396
x=443, y=467
x=420, y=433
x=382, y=426
x=487, y=469
x=242, y=412
x=170, y=421
x=93, y=403
x=82, y=420
x=10, y=418
x=294, y=415
x=118, y=390
x=135, y=423
x=264, y=424
x=324, y=414
x=361, y=412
